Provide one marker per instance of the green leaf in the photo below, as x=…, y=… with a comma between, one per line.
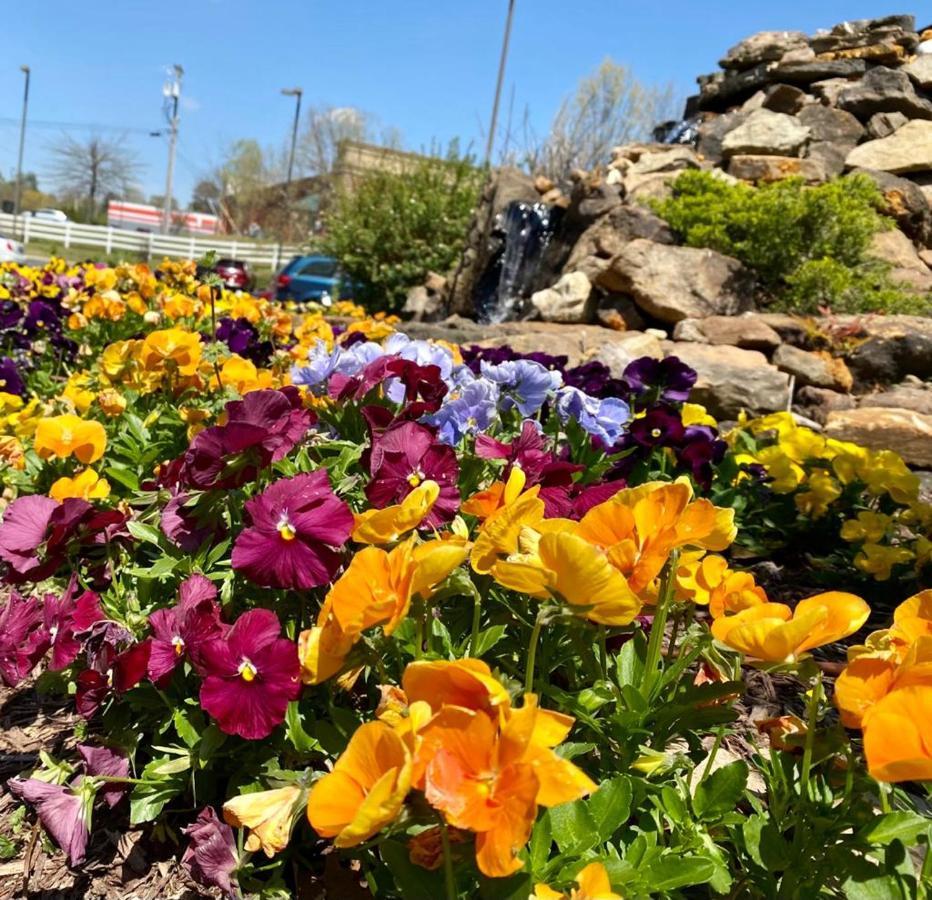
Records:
x=415, y=883
x=720, y=792
x=188, y=730
x=163, y=566
x=149, y=799
x=675, y=871
x=212, y=740
x=673, y=804
x=541, y=842
x=895, y=826
x=610, y=806
x=515, y=887
x=629, y=663
x=143, y=532
x=123, y=476
x=572, y=827
x=300, y=739
x=488, y=638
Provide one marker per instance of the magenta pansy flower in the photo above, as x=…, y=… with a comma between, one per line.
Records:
x=64, y=617
x=210, y=858
x=65, y=812
x=111, y=670
x=179, y=632
x=23, y=638
x=251, y=675
x=297, y=526
x=404, y=455
x=102, y=761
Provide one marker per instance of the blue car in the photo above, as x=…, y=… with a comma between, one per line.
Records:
x=310, y=278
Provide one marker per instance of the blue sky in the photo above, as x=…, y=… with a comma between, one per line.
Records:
x=426, y=67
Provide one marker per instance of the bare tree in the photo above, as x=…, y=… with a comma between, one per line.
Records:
x=93, y=169
x=610, y=107
x=326, y=127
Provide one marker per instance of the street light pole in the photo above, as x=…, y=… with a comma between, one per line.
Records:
x=22, y=141
x=498, y=84
x=295, y=92
x=172, y=92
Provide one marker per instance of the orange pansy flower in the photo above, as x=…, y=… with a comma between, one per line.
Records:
x=68, y=435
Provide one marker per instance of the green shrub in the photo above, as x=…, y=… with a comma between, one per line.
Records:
x=392, y=229
x=807, y=245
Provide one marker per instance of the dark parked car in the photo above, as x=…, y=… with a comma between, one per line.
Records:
x=309, y=278
x=234, y=274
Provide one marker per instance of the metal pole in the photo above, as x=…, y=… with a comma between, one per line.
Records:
x=498, y=84
x=296, y=93
x=174, y=95
x=22, y=141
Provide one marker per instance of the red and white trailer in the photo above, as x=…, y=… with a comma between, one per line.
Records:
x=143, y=217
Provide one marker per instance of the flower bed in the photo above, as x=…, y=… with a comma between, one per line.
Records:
x=336, y=604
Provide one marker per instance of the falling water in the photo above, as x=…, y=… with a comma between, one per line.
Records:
x=520, y=236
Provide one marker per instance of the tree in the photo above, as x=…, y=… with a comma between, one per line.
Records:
x=205, y=198
x=610, y=107
x=393, y=227
x=93, y=169
x=243, y=180
x=326, y=127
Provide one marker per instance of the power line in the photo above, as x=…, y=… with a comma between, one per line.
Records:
x=79, y=126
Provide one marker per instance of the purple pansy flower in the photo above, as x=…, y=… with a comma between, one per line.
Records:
x=210, y=857
x=23, y=638
x=65, y=812
x=604, y=419
x=670, y=377
x=102, y=761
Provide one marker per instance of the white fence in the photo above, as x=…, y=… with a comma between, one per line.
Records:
x=154, y=246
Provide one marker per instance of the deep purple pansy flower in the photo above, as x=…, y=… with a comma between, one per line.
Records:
x=210, y=857
x=23, y=638
x=103, y=761
x=65, y=812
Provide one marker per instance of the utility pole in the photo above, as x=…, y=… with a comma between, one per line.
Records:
x=295, y=92
x=172, y=94
x=22, y=142
x=490, y=146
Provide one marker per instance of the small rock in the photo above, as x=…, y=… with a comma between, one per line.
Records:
x=624, y=349
x=747, y=332
x=908, y=149
x=895, y=248
x=829, y=90
x=884, y=90
x=904, y=201
x=827, y=124
x=829, y=156
x=815, y=369
x=712, y=132
x=619, y=313
x=721, y=90
x=543, y=184
x=567, y=301
x=765, y=46
x=784, y=98
x=643, y=188
x=766, y=132
x=901, y=396
x=819, y=402
x=776, y=168
x=920, y=71
x=671, y=160
x=906, y=432
x=888, y=358
x=731, y=380
x=673, y=283
x=881, y=125
x=423, y=305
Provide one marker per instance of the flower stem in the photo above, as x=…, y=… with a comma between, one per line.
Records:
x=603, y=652
x=448, y=878
x=532, y=653
x=719, y=735
x=476, y=619
x=661, y=612
x=812, y=715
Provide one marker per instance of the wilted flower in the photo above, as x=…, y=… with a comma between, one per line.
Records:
x=250, y=676
x=210, y=857
x=269, y=816
x=100, y=762
x=23, y=640
x=64, y=617
x=64, y=811
x=297, y=527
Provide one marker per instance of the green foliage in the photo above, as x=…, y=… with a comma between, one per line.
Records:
x=394, y=228
x=807, y=245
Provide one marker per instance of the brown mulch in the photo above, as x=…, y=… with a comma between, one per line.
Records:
x=123, y=863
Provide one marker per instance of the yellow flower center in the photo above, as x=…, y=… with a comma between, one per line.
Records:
x=247, y=671
x=655, y=432
x=414, y=479
x=178, y=644
x=285, y=528
x=483, y=789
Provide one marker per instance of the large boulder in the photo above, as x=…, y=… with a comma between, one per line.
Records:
x=827, y=124
x=747, y=332
x=896, y=346
x=569, y=300
x=712, y=132
x=902, y=396
x=673, y=283
x=731, y=380
x=765, y=46
x=813, y=369
x=881, y=125
x=908, y=149
x=766, y=132
x=807, y=71
x=863, y=34
x=765, y=169
x=894, y=248
x=902, y=430
x=884, y=90
x=920, y=71
x=904, y=201
x=608, y=234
